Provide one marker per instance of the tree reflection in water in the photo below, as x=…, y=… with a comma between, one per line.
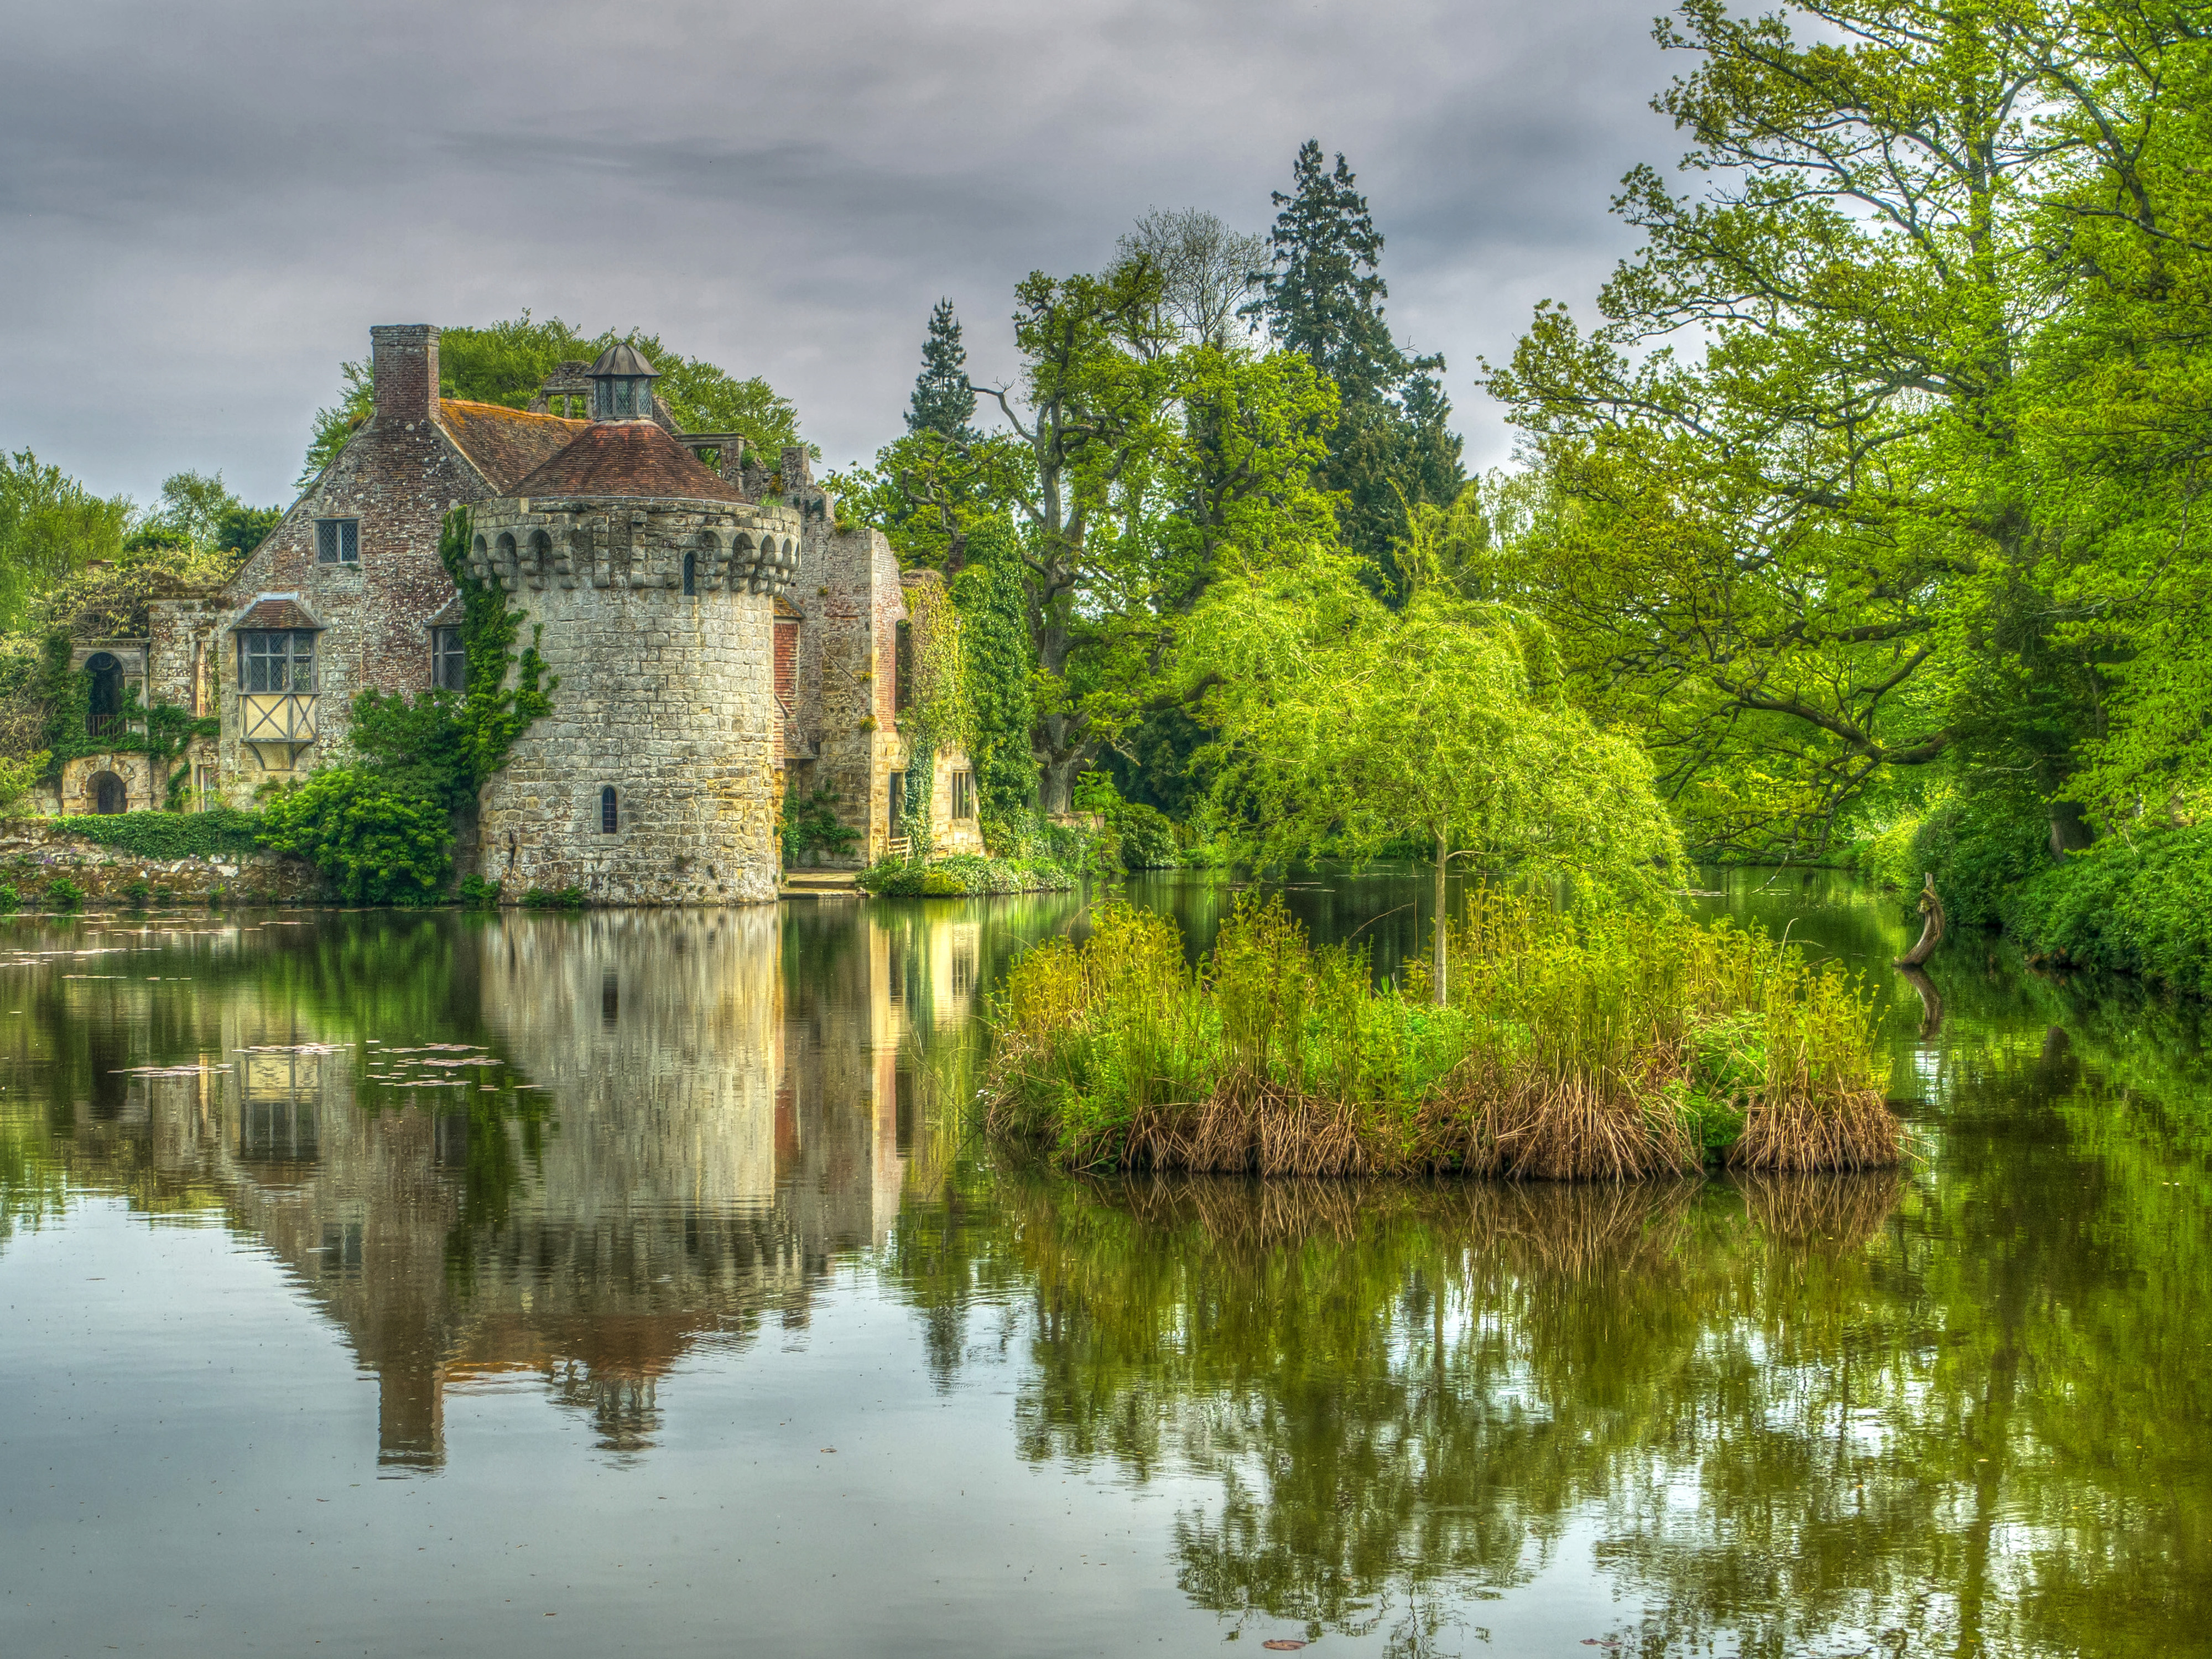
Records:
x=1964, y=1409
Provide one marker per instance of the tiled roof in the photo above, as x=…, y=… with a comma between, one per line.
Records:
x=507, y=444
x=628, y=457
x=276, y=610
x=452, y=616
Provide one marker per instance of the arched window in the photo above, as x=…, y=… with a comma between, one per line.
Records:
x=541, y=551
x=690, y=573
x=506, y=546
x=609, y=812
x=104, y=713
x=108, y=795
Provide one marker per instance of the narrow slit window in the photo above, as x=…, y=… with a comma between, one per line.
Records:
x=609, y=812
x=337, y=541
x=690, y=574
x=963, y=794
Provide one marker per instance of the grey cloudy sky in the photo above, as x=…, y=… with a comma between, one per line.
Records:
x=203, y=207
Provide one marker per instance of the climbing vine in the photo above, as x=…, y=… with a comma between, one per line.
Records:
x=160, y=731
x=940, y=713
x=494, y=715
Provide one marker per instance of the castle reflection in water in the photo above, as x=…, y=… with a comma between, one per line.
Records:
x=666, y=1127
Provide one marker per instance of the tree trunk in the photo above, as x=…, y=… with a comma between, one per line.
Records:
x=1443, y=864
x=1931, y=933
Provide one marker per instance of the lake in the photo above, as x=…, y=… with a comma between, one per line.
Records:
x=630, y=1282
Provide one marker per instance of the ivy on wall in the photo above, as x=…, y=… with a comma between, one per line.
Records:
x=160, y=731
x=940, y=713
x=494, y=715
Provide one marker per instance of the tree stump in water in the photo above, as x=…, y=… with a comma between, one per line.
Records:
x=1931, y=932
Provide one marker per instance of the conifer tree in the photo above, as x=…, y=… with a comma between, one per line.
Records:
x=942, y=401
x=1323, y=297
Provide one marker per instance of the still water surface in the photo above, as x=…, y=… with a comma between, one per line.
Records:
x=624, y=1283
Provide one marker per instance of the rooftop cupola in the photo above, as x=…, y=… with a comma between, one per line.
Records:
x=621, y=384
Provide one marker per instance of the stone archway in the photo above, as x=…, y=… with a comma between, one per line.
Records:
x=107, y=793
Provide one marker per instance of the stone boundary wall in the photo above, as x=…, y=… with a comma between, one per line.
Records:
x=34, y=853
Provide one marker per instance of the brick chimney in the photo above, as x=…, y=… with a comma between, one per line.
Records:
x=403, y=365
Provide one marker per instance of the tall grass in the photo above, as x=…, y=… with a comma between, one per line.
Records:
x=1584, y=1047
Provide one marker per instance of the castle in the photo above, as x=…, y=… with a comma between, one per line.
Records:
x=715, y=641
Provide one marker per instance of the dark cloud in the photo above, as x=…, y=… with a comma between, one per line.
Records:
x=203, y=209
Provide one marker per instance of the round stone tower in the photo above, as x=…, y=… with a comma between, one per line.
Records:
x=647, y=582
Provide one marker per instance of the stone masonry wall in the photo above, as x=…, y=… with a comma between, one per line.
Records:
x=848, y=591
x=36, y=853
x=398, y=478
x=666, y=696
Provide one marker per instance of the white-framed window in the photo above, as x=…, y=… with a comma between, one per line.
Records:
x=337, y=541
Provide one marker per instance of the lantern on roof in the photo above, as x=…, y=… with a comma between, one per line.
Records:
x=621, y=384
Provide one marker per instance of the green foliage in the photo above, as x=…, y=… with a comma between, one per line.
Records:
x=219, y=832
x=1321, y=297
x=553, y=898
x=962, y=875
x=2141, y=906
x=11, y=900
x=138, y=892
x=1622, y=1044
x=1879, y=459
x=999, y=659
x=942, y=401
x=506, y=362
x=811, y=824
x=1345, y=726
x=477, y=894
x=377, y=841
x=17, y=778
x=199, y=511
x=1979, y=848
x=1140, y=837
x=63, y=893
x=50, y=526
x=506, y=690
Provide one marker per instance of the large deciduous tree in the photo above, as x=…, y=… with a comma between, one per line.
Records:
x=1824, y=512
x=506, y=362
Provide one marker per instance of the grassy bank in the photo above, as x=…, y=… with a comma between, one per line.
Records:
x=1571, y=1048
x=963, y=875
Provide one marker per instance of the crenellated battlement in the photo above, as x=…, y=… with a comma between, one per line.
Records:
x=694, y=548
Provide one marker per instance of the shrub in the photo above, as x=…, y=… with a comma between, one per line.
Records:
x=376, y=842
x=1979, y=849
x=1147, y=836
x=810, y=825
x=137, y=893
x=477, y=894
x=9, y=899
x=962, y=875
x=219, y=830
x=164, y=896
x=63, y=893
x=2140, y=907
x=553, y=898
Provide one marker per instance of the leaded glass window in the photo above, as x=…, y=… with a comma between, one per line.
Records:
x=337, y=541
x=277, y=659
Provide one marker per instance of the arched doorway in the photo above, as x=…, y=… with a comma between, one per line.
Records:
x=104, y=711
x=108, y=796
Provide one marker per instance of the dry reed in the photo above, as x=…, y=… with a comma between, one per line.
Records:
x=1574, y=1047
